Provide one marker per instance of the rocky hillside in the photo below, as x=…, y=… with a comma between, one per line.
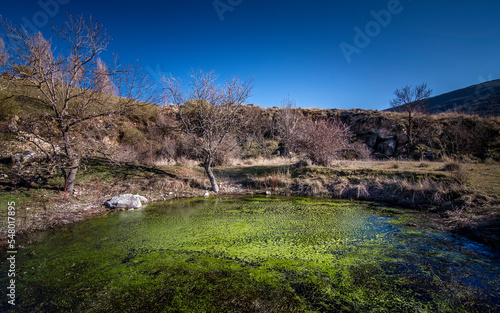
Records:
x=150, y=134
x=436, y=135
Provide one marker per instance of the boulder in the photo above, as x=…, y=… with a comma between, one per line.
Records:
x=387, y=147
x=126, y=201
x=22, y=157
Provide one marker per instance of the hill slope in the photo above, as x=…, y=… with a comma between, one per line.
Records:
x=481, y=99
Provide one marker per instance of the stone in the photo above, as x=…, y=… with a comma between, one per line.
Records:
x=22, y=157
x=387, y=147
x=126, y=201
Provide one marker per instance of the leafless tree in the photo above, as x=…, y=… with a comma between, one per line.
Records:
x=209, y=113
x=72, y=87
x=287, y=121
x=412, y=101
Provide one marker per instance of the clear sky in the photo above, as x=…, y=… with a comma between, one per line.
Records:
x=324, y=54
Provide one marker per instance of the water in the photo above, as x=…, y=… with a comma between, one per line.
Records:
x=253, y=255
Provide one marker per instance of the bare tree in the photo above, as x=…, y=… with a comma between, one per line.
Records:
x=411, y=100
x=286, y=122
x=209, y=113
x=72, y=87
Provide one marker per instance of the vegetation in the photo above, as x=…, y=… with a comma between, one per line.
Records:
x=255, y=254
x=73, y=113
x=67, y=112
x=72, y=90
x=411, y=100
x=209, y=114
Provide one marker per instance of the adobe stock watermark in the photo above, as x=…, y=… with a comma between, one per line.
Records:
x=11, y=252
x=49, y=9
x=224, y=6
x=157, y=74
x=363, y=36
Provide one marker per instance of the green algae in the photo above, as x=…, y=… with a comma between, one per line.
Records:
x=254, y=255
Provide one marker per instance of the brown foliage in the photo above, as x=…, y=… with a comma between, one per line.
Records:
x=324, y=141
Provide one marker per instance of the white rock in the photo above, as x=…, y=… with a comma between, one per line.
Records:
x=126, y=201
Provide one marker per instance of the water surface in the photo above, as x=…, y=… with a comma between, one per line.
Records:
x=254, y=255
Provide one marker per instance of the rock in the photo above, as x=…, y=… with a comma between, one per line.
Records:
x=387, y=147
x=126, y=201
x=207, y=194
x=22, y=157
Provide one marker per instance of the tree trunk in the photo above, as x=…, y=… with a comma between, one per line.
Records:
x=74, y=161
x=210, y=174
x=70, y=178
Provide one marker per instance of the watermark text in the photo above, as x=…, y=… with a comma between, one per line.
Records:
x=363, y=36
x=224, y=6
x=11, y=252
x=49, y=9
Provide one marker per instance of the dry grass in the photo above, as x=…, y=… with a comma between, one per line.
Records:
x=390, y=165
x=274, y=180
x=260, y=161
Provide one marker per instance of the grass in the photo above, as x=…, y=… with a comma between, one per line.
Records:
x=467, y=199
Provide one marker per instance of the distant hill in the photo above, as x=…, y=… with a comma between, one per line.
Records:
x=481, y=99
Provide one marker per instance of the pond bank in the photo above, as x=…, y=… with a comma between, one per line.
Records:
x=454, y=201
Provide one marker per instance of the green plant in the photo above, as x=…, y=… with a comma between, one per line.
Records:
x=132, y=136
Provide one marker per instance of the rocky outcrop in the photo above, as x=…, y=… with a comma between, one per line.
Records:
x=126, y=201
x=385, y=136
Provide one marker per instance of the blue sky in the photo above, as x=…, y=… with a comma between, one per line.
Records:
x=294, y=48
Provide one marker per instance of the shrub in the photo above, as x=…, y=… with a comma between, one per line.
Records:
x=279, y=179
x=458, y=174
x=132, y=136
x=324, y=141
x=452, y=167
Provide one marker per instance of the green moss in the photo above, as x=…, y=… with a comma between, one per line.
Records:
x=251, y=255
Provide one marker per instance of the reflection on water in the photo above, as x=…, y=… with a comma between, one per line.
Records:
x=254, y=255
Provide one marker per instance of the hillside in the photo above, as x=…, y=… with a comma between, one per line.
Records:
x=481, y=99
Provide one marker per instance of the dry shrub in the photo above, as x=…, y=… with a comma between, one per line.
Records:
x=228, y=151
x=279, y=179
x=324, y=141
x=312, y=187
x=362, y=190
x=340, y=186
x=361, y=151
x=428, y=191
x=452, y=167
x=458, y=173
x=126, y=154
x=168, y=149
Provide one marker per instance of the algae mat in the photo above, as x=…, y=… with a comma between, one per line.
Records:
x=253, y=255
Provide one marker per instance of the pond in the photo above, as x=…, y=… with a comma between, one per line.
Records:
x=249, y=254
